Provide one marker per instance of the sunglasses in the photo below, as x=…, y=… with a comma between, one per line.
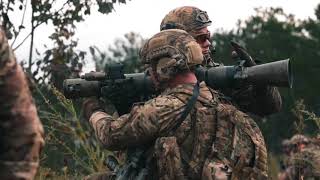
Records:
x=203, y=38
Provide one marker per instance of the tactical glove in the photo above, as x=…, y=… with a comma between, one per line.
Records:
x=90, y=105
x=240, y=53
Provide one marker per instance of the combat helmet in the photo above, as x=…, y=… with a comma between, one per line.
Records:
x=299, y=139
x=187, y=18
x=286, y=146
x=169, y=52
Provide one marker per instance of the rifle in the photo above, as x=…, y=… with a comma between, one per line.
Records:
x=133, y=169
x=125, y=89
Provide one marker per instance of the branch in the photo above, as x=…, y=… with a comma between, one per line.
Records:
x=31, y=42
x=26, y=37
x=38, y=24
x=22, y=20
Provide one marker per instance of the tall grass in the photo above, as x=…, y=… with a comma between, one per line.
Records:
x=305, y=117
x=71, y=150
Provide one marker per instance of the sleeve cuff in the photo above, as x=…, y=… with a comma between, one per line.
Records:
x=96, y=116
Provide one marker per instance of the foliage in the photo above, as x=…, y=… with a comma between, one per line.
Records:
x=125, y=51
x=71, y=148
x=62, y=60
x=297, y=111
x=305, y=117
x=271, y=35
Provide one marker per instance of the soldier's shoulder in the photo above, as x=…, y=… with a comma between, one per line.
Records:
x=164, y=101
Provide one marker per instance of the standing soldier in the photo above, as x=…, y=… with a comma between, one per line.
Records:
x=189, y=131
x=299, y=142
x=304, y=161
x=258, y=100
x=20, y=128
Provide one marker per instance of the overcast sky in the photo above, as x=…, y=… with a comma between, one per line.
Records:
x=144, y=17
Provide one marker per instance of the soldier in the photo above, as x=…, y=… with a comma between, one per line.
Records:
x=304, y=160
x=299, y=142
x=258, y=100
x=286, y=148
x=21, y=131
x=189, y=131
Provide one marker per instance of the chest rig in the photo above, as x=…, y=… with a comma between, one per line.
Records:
x=219, y=132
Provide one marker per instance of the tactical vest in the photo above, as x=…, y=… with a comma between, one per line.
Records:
x=228, y=136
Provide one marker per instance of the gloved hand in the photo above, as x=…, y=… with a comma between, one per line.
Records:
x=240, y=53
x=90, y=105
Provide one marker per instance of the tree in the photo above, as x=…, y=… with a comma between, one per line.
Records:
x=272, y=35
x=125, y=51
x=63, y=59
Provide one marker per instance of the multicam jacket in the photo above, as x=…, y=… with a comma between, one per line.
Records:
x=304, y=164
x=21, y=132
x=215, y=134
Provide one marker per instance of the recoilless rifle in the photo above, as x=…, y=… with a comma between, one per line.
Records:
x=125, y=89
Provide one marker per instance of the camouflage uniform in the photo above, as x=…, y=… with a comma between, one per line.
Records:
x=303, y=162
x=286, y=148
x=257, y=100
x=21, y=131
x=215, y=141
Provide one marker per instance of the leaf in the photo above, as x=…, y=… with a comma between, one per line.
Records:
x=105, y=7
x=38, y=53
x=87, y=11
x=46, y=58
x=82, y=54
x=122, y=1
x=38, y=62
x=92, y=51
x=21, y=27
x=34, y=73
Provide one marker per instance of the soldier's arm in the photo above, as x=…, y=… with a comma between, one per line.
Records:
x=143, y=124
x=21, y=131
x=268, y=100
x=259, y=100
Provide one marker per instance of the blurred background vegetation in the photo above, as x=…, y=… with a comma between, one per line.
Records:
x=71, y=149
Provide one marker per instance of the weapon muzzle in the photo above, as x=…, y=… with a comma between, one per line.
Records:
x=75, y=88
x=278, y=73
